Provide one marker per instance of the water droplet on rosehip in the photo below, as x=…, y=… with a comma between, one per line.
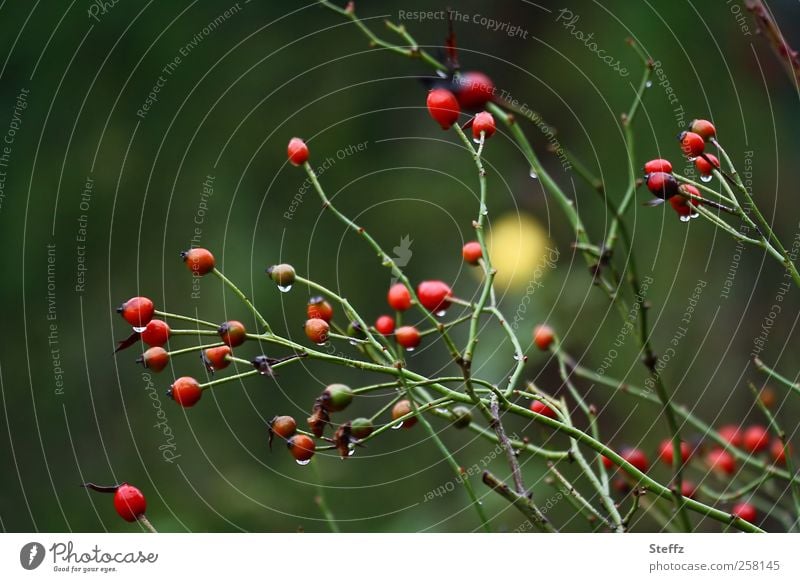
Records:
x=353, y=342
x=351, y=450
x=302, y=463
x=398, y=425
x=706, y=178
x=441, y=313
x=533, y=174
x=139, y=329
x=441, y=73
x=322, y=343
x=648, y=84
x=284, y=288
x=476, y=139
x=410, y=349
x=517, y=357
x=685, y=218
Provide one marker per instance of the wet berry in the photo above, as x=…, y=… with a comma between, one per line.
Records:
x=543, y=336
x=402, y=408
x=778, y=452
x=732, y=434
x=129, y=502
x=385, y=324
x=156, y=333
x=319, y=308
x=337, y=397
x=472, y=252
x=283, y=275
x=745, y=511
x=637, y=458
x=399, y=297
x=185, y=391
x=483, y=122
x=665, y=452
x=200, y=261
x=473, y=89
x=658, y=165
x=755, y=439
x=434, y=295
x=138, y=311
x=721, y=460
x=217, y=358
x=297, y=151
x=301, y=447
x=662, y=185
x=443, y=107
x=540, y=407
x=692, y=145
x=317, y=330
x=703, y=166
x=232, y=333
x=283, y=426
x=703, y=128
x=408, y=336
x=155, y=359
x=688, y=489
x=361, y=427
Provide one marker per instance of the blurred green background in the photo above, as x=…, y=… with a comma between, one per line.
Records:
x=271, y=70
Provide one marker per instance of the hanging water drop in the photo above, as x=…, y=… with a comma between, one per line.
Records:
x=476, y=139
x=441, y=313
x=706, y=178
x=302, y=463
x=351, y=450
x=685, y=218
x=284, y=288
x=648, y=84
x=322, y=343
x=398, y=425
x=139, y=329
x=533, y=174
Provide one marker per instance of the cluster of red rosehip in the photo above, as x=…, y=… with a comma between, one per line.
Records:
x=660, y=180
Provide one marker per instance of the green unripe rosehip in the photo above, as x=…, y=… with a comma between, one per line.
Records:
x=337, y=397
x=462, y=417
x=361, y=428
x=282, y=274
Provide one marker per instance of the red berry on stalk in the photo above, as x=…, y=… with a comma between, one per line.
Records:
x=662, y=184
x=543, y=336
x=483, y=122
x=402, y=408
x=434, y=295
x=138, y=311
x=156, y=333
x=704, y=167
x=665, y=452
x=755, y=438
x=200, y=261
x=732, y=434
x=317, y=330
x=686, y=208
x=283, y=426
x=472, y=252
x=155, y=359
x=722, y=461
x=703, y=128
x=540, y=407
x=691, y=144
x=399, y=298
x=408, y=336
x=185, y=391
x=319, y=308
x=232, y=333
x=607, y=463
x=385, y=324
x=473, y=89
x=129, y=502
x=744, y=511
x=637, y=458
x=217, y=358
x=658, y=165
x=778, y=452
x=297, y=151
x=443, y=107
x=302, y=448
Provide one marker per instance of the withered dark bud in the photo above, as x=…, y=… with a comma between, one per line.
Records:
x=264, y=365
x=318, y=419
x=343, y=439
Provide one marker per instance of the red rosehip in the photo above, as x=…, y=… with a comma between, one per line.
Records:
x=319, y=308
x=755, y=438
x=688, y=489
x=686, y=208
x=540, y=407
x=232, y=333
x=402, y=408
x=297, y=151
x=703, y=128
x=483, y=122
x=138, y=311
x=156, y=333
x=129, y=502
x=317, y=330
x=662, y=184
x=217, y=358
x=443, y=107
x=185, y=391
x=408, y=336
x=732, y=434
x=399, y=298
x=472, y=252
x=658, y=165
x=744, y=511
x=543, y=336
x=607, y=463
x=721, y=460
x=385, y=324
x=691, y=144
x=778, y=452
x=473, y=89
x=434, y=295
x=302, y=448
x=665, y=452
x=200, y=261
x=704, y=167
x=155, y=359
x=283, y=426
x=637, y=458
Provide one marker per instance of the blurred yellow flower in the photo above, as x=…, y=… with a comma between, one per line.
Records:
x=520, y=250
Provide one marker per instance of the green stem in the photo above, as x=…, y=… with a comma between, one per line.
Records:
x=194, y=320
x=238, y=292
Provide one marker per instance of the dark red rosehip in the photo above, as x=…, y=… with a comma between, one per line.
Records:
x=385, y=324
x=472, y=252
x=607, y=463
x=473, y=89
x=721, y=460
x=658, y=165
x=399, y=297
x=408, y=336
x=186, y=391
x=302, y=448
x=703, y=128
x=200, y=261
x=692, y=145
x=662, y=184
x=540, y=407
x=637, y=458
x=129, y=502
x=232, y=333
x=745, y=511
x=155, y=359
x=434, y=295
x=319, y=308
x=402, y=408
x=665, y=452
x=483, y=122
x=703, y=166
x=297, y=151
x=686, y=208
x=138, y=311
x=688, y=489
x=217, y=358
x=156, y=333
x=755, y=439
x=543, y=336
x=317, y=330
x=443, y=107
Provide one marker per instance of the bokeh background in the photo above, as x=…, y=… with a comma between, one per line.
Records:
x=272, y=70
